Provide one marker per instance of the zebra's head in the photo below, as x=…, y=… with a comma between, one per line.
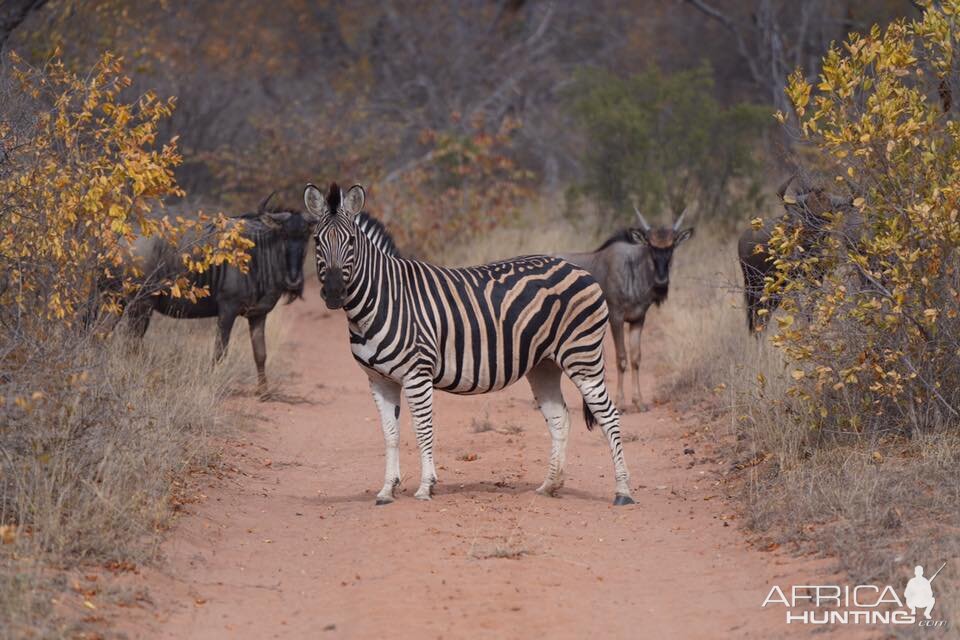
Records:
x=335, y=236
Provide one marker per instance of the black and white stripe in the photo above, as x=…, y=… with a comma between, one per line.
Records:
x=377, y=233
x=416, y=327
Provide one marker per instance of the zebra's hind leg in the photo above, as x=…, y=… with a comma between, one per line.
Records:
x=386, y=395
x=419, y=392
x=597, y=401
x=545, y=383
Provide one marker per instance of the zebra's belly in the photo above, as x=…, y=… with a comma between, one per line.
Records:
x=464, y=380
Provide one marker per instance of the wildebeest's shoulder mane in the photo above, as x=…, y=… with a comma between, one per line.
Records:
x=620, y=236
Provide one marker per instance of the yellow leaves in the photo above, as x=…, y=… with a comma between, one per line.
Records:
x=8, y=533
x=93, y=177
x=756, y=224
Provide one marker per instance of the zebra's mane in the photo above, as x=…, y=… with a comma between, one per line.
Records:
x=620, y=236
x=377, y=233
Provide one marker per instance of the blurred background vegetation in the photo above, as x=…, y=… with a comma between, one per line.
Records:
x=456, y=113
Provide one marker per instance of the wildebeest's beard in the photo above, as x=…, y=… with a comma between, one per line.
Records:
x=660, y=294
x=293, y=293
x=295, y=251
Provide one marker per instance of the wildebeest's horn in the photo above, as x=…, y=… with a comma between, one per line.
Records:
x=782, y=190
x=263, y=205
x=643, y=222
x=676, y=225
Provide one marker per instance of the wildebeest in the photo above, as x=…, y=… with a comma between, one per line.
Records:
x=280, y=240
x=808, y=208
x=633, y=269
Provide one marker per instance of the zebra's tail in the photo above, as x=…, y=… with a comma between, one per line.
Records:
x=588, y=417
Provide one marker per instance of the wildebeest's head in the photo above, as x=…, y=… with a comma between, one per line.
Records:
x=661, y=241
x=335, y=237
x=293, y=230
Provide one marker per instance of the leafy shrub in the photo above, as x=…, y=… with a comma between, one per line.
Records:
x=665, y=141
x=871, y=304
x=80, y=176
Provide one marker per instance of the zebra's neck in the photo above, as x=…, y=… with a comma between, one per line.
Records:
x=374, y=283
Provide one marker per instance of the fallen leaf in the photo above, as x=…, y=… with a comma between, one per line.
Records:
x=8, y=533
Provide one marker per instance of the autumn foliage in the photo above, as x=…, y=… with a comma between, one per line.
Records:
x=82, y=174
x=871, y=302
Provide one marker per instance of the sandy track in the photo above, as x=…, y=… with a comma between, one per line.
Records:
x=291, y=546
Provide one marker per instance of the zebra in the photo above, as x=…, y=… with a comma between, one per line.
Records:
x=415, y=327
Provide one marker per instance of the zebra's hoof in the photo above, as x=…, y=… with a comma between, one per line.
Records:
x=549, y=490
x=422, y=495
x=621, y=500
x=382, y=501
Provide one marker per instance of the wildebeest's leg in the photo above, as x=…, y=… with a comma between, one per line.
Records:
x=224, y=327
x=616, y=328
x=138, y=318
x=545, y=383
x=386, y=395
x=585, y=368
x=636, y=329
x=258, y=325
x=419, y=392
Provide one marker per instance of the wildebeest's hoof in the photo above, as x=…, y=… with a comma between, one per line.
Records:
x=640, y=407
x=621, y=500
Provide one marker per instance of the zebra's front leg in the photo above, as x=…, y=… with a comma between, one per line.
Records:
x=386, y=395
x=419, y=392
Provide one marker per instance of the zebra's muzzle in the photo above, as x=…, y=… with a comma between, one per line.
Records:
x=334, y=290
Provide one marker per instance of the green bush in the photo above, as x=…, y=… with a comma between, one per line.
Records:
x=663, y=141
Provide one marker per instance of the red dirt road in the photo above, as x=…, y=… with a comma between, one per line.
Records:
x=293, y=546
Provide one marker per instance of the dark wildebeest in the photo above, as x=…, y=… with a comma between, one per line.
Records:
x=808, y=208
x=280, y=240
x=633, y=269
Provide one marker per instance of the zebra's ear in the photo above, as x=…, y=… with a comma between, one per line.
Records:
x=353, y=201
x=316, y=203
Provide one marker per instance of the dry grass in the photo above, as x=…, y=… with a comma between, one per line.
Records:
x=482, y=425
x=702, y=326
x=90, y=467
